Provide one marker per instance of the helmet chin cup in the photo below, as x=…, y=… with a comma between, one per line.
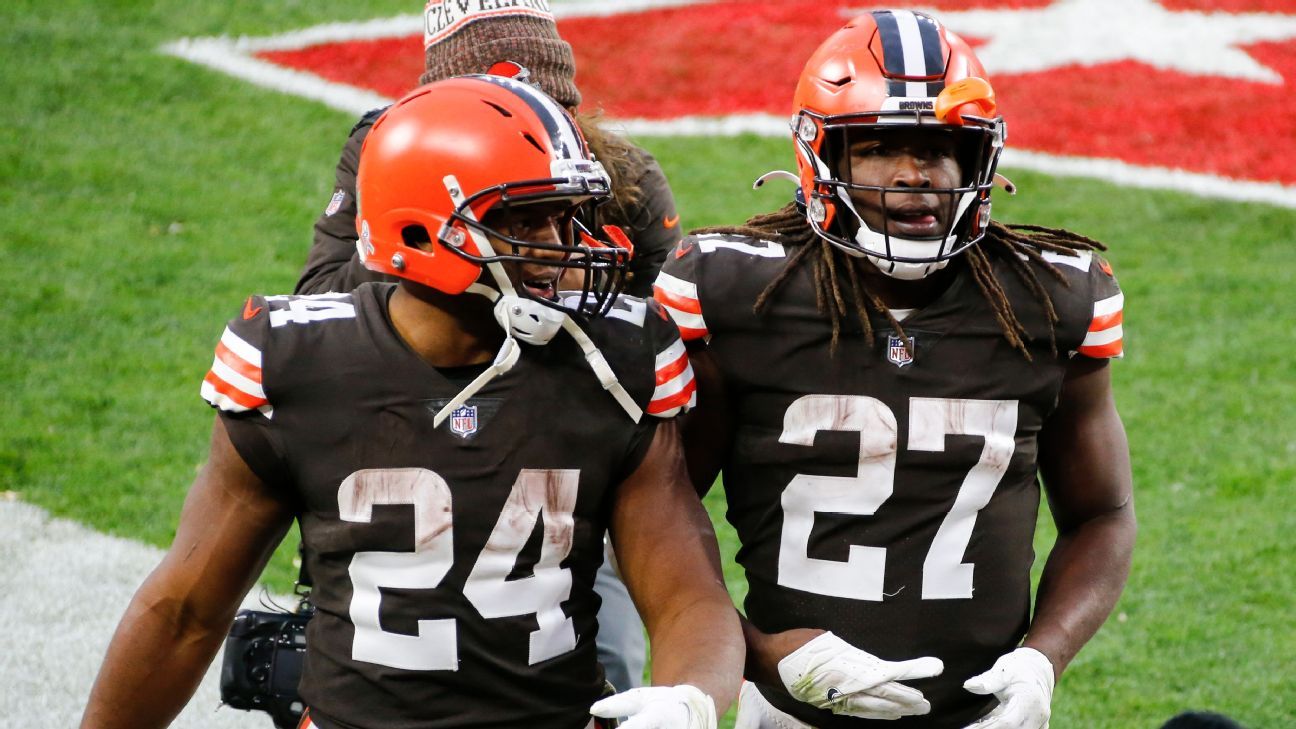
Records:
x=906, y=271
x=527, y=319
x=875, y=245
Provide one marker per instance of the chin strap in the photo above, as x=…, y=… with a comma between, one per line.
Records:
x=597, y=362
x=504, y=360
x=519, y=316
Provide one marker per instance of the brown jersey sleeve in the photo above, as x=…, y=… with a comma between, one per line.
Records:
x=332, y=264
x=235, y=386
x=1105, y=336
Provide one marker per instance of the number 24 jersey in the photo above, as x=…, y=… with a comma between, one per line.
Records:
x=453, y=566
x=888, y=491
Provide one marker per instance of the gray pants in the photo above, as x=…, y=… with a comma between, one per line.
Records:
x=621, y=647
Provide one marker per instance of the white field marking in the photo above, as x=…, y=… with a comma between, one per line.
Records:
x=1092, y=32
x=62, y=590
x=235, y=56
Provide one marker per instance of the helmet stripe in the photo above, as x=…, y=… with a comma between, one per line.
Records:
x=563, y=136
x=911, y=48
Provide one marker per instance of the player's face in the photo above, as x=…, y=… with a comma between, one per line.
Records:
x=547, y=223
x=907, y=158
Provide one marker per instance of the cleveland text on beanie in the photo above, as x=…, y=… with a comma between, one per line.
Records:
x=470, y=36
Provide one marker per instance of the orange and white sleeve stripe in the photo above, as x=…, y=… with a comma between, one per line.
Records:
x=680, y=298
x=1106, y=335
x=676, y=390
x=234, y=382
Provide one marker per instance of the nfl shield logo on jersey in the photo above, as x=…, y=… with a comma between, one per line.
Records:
x=463, y=420
x=335, y=203
x=897, y=353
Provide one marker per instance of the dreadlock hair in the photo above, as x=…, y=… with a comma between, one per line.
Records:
x=622, y=160
x=835, y=271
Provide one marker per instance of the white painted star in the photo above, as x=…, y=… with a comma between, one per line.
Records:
x=1091, y=32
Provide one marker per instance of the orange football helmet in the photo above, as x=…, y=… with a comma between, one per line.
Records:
x=883, y=69
x=450, y=152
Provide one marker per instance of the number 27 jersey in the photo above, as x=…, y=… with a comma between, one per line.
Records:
x=887, y=491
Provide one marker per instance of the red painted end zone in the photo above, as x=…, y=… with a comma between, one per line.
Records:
x=734, y=58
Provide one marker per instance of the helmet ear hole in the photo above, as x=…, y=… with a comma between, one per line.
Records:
x=416, y=236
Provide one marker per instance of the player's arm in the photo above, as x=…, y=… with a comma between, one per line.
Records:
x=333, y=264
x=671, y=565
x=708, y=427
x=1085, y=465
x=178, y=618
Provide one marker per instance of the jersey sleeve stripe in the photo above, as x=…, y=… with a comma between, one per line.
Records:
x=1104, y=351
x=245, y=369
x=240, y=348
x=1106, y=336
x=680, y=302
x=689, y=333
x=668, y=355
x=1109, y=305
x=670, y=405
x=225, y=396
x=680, y=299
x=235, y=379
x=691, y=326
x=675, y=386
x=672, y=370
x=1106, y=321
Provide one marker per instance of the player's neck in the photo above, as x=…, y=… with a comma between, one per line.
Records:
x=899, y=294
x=443, y=329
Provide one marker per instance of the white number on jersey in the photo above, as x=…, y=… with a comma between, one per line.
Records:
x=306, y=309
x=861, y=576
x=537, y=494
x=760, y=248
x=630, y=310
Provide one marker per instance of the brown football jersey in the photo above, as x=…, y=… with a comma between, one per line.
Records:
x=453, y=566
x=651, y=223
x=887, y=492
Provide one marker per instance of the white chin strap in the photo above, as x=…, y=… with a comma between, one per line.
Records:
x=875, y=245
x=525, y=319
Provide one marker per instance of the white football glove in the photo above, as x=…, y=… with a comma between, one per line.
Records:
x=1023, y=682
x=830, y=673
x=659, y=707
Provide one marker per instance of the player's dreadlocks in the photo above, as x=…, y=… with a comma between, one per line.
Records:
x=834, y=270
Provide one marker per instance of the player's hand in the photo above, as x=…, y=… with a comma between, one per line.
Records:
x=659, y=707
x=1023, y=682
x=830, y=673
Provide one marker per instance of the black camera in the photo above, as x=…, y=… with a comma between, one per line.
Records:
x=264, y=656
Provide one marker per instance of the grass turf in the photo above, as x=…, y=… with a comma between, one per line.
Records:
x=144, y=197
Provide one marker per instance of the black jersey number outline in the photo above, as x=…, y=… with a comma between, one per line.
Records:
x=860, y=577
x=548, y=494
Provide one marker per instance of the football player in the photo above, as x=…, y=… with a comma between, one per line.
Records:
x=886, y=375
x=465, y=38
x=454, y=447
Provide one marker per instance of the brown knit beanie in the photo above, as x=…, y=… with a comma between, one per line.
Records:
x=470, y=36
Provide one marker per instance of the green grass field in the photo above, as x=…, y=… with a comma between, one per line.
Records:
x=143, y=198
